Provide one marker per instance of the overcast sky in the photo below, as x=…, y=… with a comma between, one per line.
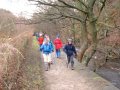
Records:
x=18, y=7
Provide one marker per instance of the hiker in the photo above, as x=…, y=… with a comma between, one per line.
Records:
x=40, y=39
x=71, y=52
x=58, y=46
x=35, y=41
x=52, y=46
x=46, y=49
x=37, y=35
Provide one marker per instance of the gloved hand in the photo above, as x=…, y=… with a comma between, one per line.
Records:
x=41, y=50
x=52, y=50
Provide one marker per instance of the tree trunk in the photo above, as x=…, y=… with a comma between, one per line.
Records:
x=88, y=55
x=82, y=51
x=93, y=30
x=73, y=30
x=84, y=39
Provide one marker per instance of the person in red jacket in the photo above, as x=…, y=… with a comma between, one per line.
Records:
x=58, y=46
x=40, y=39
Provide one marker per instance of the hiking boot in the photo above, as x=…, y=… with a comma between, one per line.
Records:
x=46, y=66
x=46, y=70
x=51, y=62
x=72, y=68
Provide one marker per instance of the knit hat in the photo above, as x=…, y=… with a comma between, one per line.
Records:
x=58, y=36
x=45, y=41
x=40, y=34
x=47, y=37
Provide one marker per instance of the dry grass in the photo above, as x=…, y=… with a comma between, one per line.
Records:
x=11, y=56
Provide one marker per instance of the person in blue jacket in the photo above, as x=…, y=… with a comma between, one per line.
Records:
x=46, y=49
x=71, y=52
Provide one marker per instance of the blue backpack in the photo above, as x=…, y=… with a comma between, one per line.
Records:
x=46, y=48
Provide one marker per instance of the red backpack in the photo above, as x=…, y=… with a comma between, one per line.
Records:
x=40, y=40
x=58, y=43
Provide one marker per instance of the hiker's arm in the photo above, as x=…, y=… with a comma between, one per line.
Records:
x=52, y=47
x=65, y=49
x=74, y=49
x=41, y=48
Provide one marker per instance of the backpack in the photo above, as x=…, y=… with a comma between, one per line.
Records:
x=52, y=45
x=46, y=48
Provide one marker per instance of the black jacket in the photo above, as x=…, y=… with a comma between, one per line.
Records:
x=70, y=49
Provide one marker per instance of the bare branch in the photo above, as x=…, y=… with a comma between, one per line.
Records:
x=91, y=3
x=103, y=5
x=71, y=6
x=56, y=5
x=73, y=17
x=83, y=3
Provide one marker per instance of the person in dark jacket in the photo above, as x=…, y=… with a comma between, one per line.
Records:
x=71, y=52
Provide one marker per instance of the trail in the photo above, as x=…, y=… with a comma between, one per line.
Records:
x=59, y=77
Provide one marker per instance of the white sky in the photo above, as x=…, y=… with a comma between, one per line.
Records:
x=19, y=7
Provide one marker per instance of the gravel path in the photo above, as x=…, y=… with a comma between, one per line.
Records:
x=59, y=77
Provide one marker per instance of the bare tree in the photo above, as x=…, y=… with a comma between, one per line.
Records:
x=81, y=10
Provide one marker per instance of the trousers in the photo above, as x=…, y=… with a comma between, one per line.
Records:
x=58, y=53
x=70, y=60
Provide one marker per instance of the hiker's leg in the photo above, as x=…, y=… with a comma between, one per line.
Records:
x=59, y=52
x=72, y=62
x=46, y=66
x=45, y=57
x=56, y=53
x=45, y=62
x=49, y=60
x=52, y=61
x=68, y=58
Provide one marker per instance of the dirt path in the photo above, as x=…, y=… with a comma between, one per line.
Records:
x=59, y=77
x=62, y=78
